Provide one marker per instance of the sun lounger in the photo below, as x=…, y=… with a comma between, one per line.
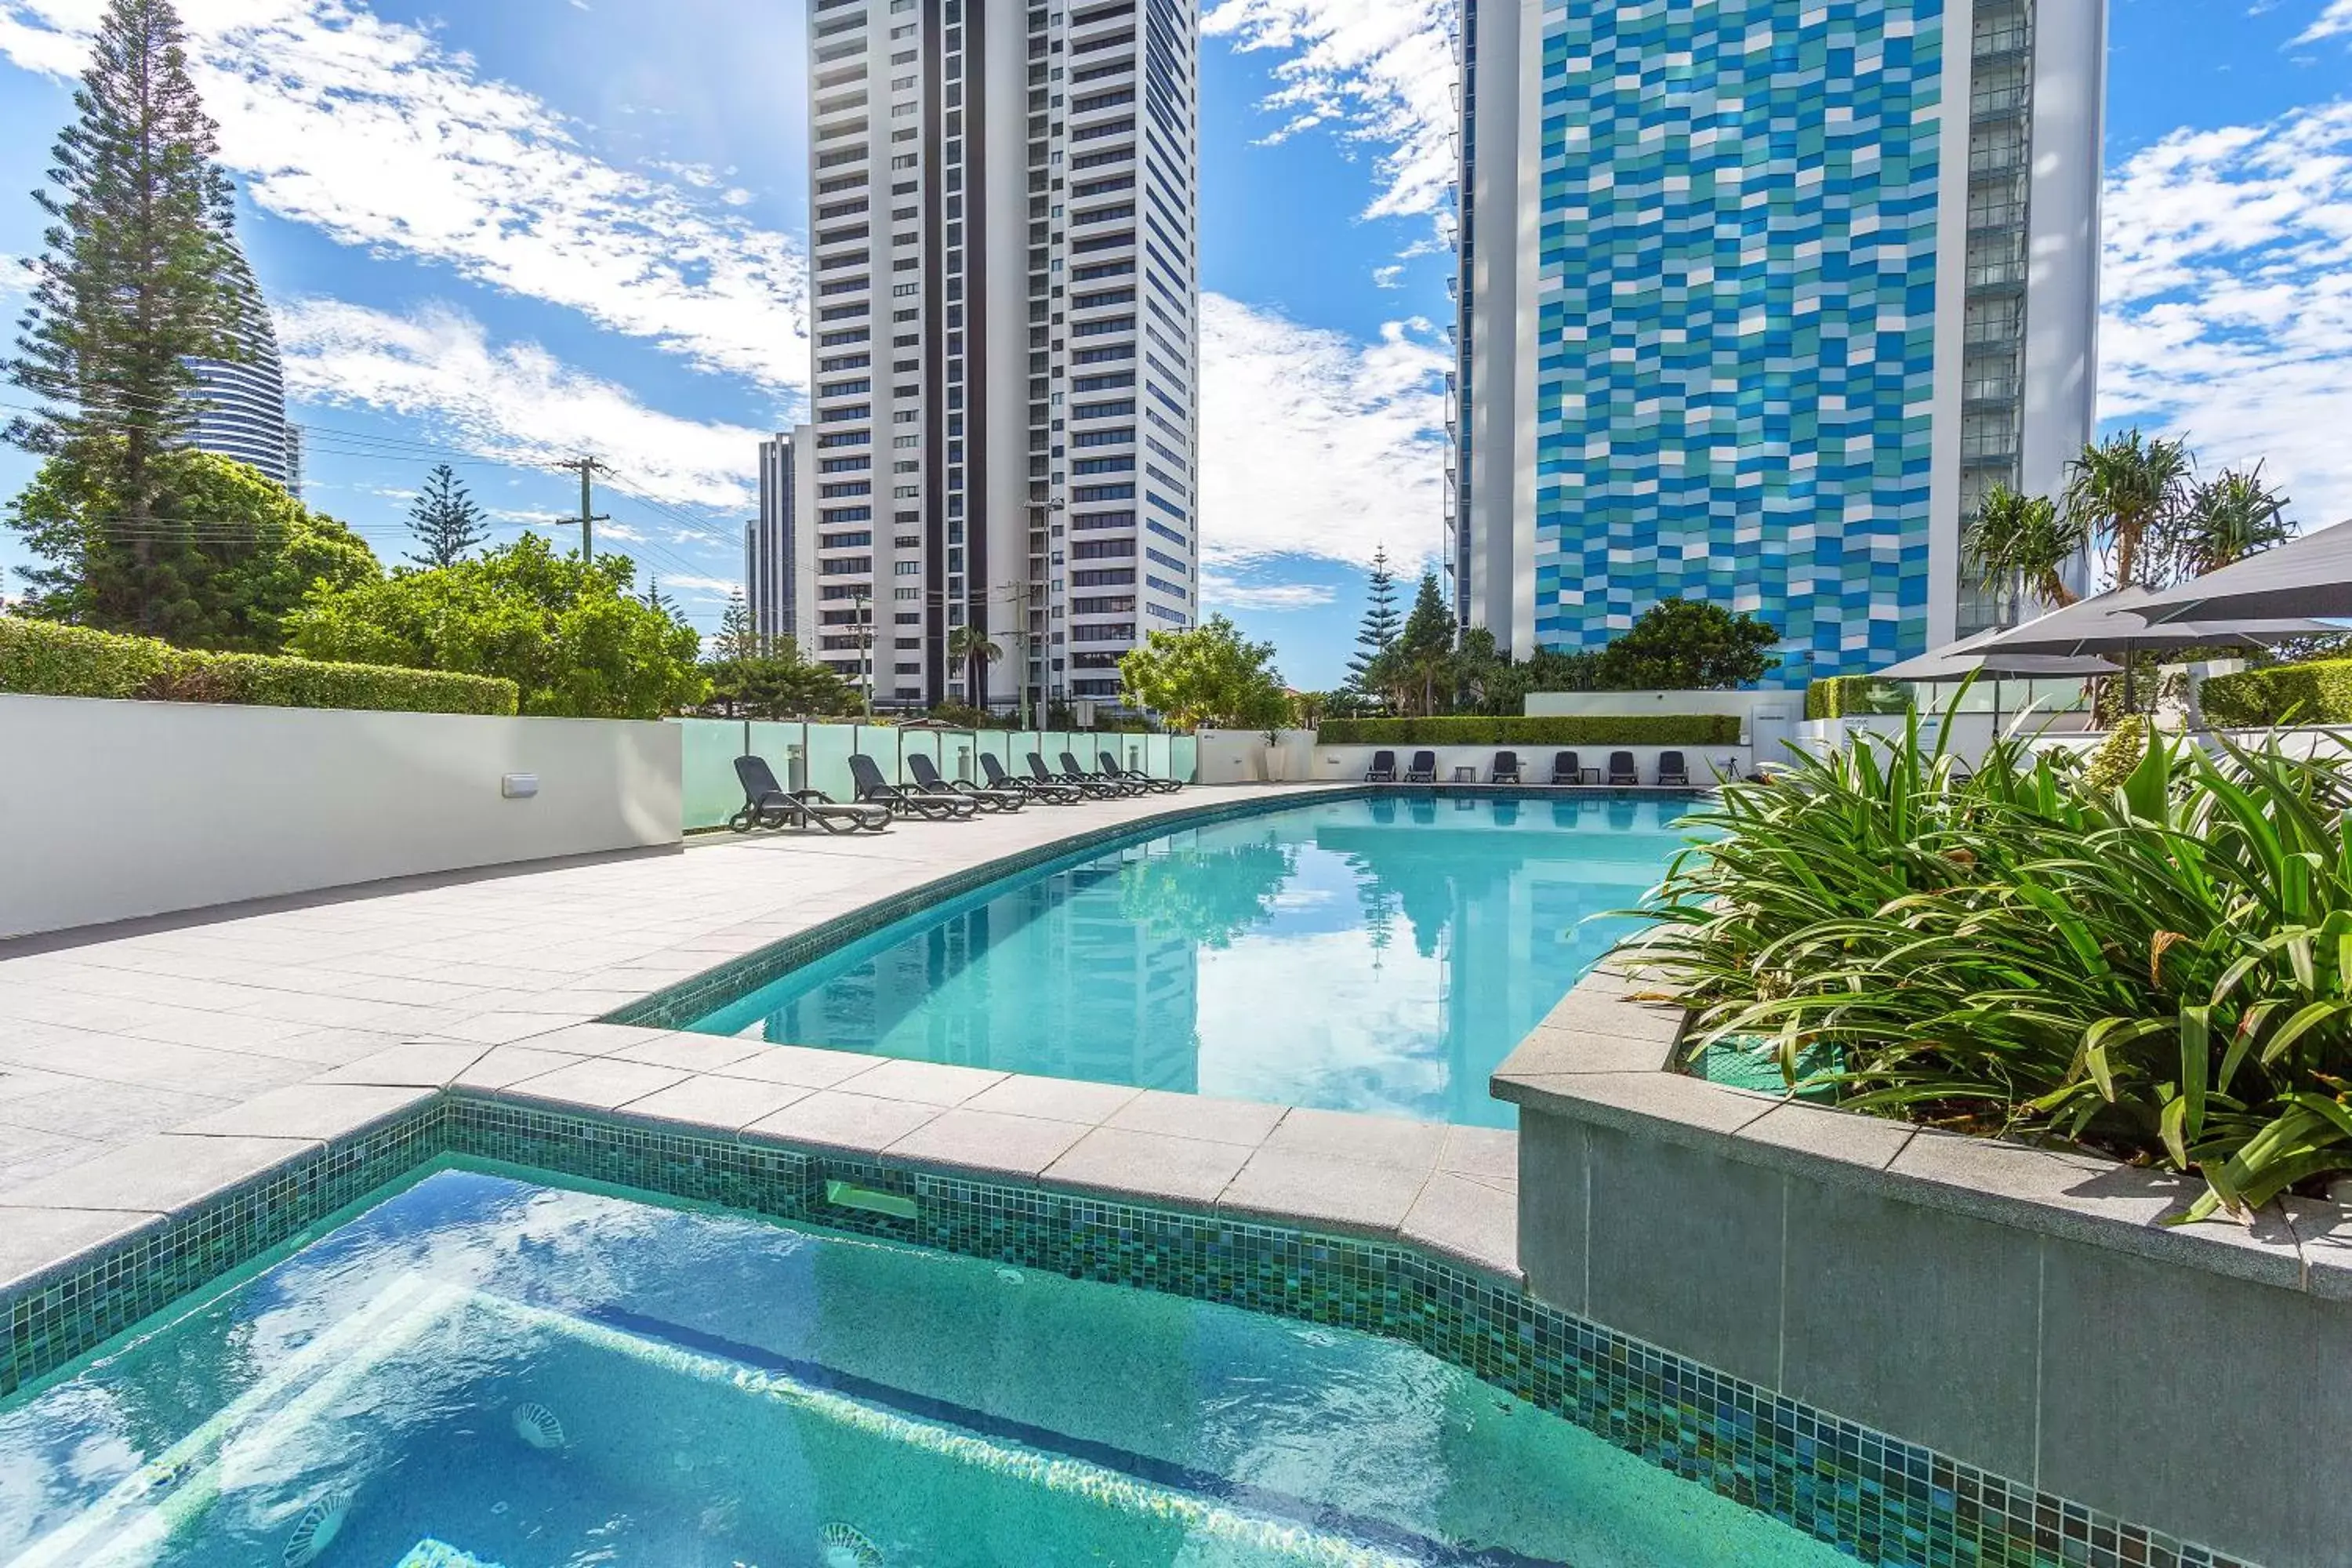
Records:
x=1506, y=768
x=1621, y=770
x=872, y=786
x=1383, y=768
x=1073, y=773
x=1091, y=785
x=1155, y=785
x=1564, y=769
x=1034, y=789
x=928, y=780
x=1424, y=769
x=1673, y=770
x=768, y=804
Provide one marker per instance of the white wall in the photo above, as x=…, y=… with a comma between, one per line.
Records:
x=1563, y=704
x=111, y=810
x=1241, y=756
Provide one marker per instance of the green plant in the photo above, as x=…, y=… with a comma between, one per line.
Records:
x=44, y=659
x=1847, y=696
x=2017, y=541
x=1688, y=645
x=1576, y=729
x=446, y=523
x=2162, y=970
x=2110, y=767
x=1208, y=675
x=2319, y=692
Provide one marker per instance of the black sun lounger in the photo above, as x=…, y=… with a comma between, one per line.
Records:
x=1074, y=773
x=1086, y=782
x=929, y=779
x=1424, y=769
x=1564, y=770
x=1621, y=770
x=1157, y=785
x=1506, y=768
x=1673, y=770
x=1034, y=789
x=872, y=787
x=1383, y=768
x=768, y=804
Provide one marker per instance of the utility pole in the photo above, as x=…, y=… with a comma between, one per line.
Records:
x=586, y=467
x=1016, y=592
x=865, y=650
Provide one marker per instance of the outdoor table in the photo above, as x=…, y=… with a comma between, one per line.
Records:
x=1466, y=775
x=1589, y=776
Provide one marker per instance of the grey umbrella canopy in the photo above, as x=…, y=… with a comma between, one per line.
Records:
x=1971, y=656
x=2307, y=576
x=2117, y=621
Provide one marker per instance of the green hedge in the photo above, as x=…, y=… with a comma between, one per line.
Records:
x=1580, y=730
x=1843, y=696
x=46, y=659
x=2319, y=692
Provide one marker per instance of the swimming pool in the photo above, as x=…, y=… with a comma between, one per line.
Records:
x=483, y=1370
x=1377, y=954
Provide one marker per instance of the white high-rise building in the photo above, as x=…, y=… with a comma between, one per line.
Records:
x=779, y=552
x=241, y=403
x=1756, y=304
x=1003, y=218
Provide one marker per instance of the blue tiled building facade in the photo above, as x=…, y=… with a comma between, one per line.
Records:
x=1744, y=312
x=1736, y=308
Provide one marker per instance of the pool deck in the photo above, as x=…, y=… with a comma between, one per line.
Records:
x=148, y=1067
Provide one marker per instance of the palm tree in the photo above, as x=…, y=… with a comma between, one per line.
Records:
x=970, y=644
x=2226, y=519
x=2126, y=492
x=2022, y=544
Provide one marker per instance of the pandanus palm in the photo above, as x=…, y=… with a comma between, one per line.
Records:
x=2018, y=542
x=2227, y=519
x=2127, y=492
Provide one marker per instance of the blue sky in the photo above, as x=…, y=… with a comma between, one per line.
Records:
x=500, y=233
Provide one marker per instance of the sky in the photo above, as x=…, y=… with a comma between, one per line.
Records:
x=501, y=233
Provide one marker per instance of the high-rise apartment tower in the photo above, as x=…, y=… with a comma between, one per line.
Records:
x=1756, y=300
x=1006, y=283
x=241, y=403
x=779, y=557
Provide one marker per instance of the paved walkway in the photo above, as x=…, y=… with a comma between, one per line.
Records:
x=146, y=1068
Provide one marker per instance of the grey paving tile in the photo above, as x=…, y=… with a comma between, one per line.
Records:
x=1344, y=1135
x=1650, y=1102
x=503, y=1028
x=1054, y=1099
x=582, y=1039
x=107, y=1112
x=708, y=1100
x=156, y=1174
x=1150, y=1167
x=1488, y=1151
x=987, y=1144
x=1595, y=1012
x=35, y=1239
x=315, y=1111
x=852, y=1123
x=1242, y=1122
x=20, y=1082
x=1548, y=1049
x=26, y=1154
x=424, y=1064
x=1815, y=1133
x=803, y=1065
x=1466, y=1221
x=504, y=1065
x=1321, y=1192
x=219, y=1031
x=156, y=1064
x=325, y=1047
x=601, y=1083
x=695, y=1053
x=925, y=1083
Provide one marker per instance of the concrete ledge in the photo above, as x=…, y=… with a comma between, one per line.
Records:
x=2033, y=1311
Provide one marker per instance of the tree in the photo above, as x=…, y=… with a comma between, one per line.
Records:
x=134, y=281
x=1421, y=659
x=445, y=519
x=776, y=684
x=2023, y=544
x=736, y=639
x=658, y=601
x=1209, y=675
x=971, y=644
x=2124, y=493
x=1382, y=622
x=252, y=550
x=2225, y=519
x=568, y=632
x=1688, y=645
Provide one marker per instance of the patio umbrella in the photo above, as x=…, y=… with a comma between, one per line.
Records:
x=1971, y=656
x=2311, y=575
x=2117, y=621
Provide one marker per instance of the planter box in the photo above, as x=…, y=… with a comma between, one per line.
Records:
x=2027, y=1311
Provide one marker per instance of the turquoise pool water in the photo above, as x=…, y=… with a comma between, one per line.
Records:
x=1367, y=954
x=481, y=1370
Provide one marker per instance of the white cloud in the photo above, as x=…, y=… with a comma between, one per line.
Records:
x=1390, y=277
x=1224, y=594
x=513, y=402
x=1380, y=70
x=1316, y=443
x=373, y=133
x=2228, y=284
x=707, y=587
x=2333, y=22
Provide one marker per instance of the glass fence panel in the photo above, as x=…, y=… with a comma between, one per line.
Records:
x=1185, y=757
x=913, y=743
x=1000, y=744
x=708, y=749
x=829, y=746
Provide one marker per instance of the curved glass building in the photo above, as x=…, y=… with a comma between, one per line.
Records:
x=242, y=402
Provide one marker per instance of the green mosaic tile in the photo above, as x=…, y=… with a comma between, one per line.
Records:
x=1882, y=1500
